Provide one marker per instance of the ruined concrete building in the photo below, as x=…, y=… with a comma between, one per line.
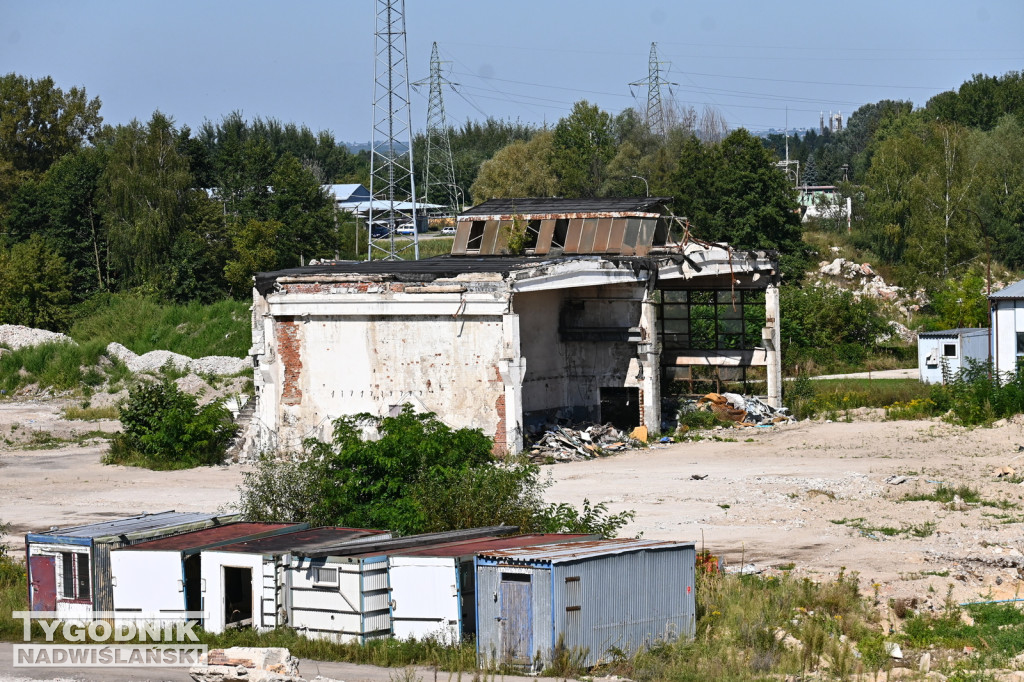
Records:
x=610, y=304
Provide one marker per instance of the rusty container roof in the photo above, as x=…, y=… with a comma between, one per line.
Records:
x=301, y=539
x=578, y=551
x=527, y=206
x=210, y=537
x=470, y=547
x=132, y=525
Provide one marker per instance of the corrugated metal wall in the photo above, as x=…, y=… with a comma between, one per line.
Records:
x=626, y=601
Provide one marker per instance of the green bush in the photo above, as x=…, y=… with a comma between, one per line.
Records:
x=418, y=476
x=165, y=428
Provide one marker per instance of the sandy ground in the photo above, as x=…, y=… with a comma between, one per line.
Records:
x=771, y=497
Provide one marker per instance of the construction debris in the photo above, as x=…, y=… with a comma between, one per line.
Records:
x=563, y=444
x=1004, y=471
x=743, y=410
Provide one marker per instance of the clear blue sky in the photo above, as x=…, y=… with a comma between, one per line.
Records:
x=311, y=61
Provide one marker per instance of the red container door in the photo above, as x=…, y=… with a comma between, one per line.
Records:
x=44, y=583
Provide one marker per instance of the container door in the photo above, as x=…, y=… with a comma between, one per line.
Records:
x=44, y=583
x=516, y=618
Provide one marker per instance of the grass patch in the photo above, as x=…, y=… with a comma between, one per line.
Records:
x=44, y=440
x=59, y=366
x=700, y=419
x=921, y=530
x=88, y=414
x=808, y=398
x=143, y=324
x=945, y=494
x=997, y=632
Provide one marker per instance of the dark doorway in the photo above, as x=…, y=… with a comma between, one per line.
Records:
x=193, y=584
x=237, y=596
x=620, y=407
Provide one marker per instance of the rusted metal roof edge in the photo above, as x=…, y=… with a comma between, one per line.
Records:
x=578, y=551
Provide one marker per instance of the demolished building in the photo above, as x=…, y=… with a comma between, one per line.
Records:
x=546, y=309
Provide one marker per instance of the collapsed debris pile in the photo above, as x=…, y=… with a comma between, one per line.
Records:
x=564, y=444
x=742, y=410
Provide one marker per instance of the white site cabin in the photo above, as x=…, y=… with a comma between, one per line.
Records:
x=161, y=580
x=249, y=583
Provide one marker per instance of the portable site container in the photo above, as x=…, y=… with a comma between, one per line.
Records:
x=433, y=589
x=344, y=592
x=941, y=354
x=591, y=596
x=248, y=583
x=164, y=576
x=69, y=568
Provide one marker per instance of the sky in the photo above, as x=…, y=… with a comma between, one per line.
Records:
x=311, y=61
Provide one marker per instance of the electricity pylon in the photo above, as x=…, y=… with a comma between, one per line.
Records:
x=439, y=177
x=392, y=186
x=655, y=112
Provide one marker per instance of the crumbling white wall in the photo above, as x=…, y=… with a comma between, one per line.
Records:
x=348, y=352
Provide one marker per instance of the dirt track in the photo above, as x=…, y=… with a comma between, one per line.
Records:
x=771, y=501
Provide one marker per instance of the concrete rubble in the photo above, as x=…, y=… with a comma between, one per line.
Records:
x=248, y=664
x=15, y=336
x=743, y=410
x=564, y=444
x=155, y=359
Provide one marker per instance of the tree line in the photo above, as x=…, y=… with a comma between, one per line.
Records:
x=185, y=215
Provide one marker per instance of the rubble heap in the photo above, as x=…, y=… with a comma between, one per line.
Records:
x=743, y=410
x=564, y=444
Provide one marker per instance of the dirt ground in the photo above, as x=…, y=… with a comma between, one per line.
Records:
x=810, y=494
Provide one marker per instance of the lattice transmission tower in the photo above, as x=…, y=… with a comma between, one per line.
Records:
x=392, y=186
x=439, y=172
x=653, y=83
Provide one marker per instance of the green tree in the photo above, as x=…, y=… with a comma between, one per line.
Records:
x=581, y=148
x=35, y=286
x=39, y=123
x=305, y=212
x=733, y=192
x=253, y=250
x=828, y=325
x=521, y=169
x=146, y=193
x=961, y=302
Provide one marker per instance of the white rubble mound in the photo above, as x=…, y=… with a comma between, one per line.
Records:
x=155, y=359
x=16, y=336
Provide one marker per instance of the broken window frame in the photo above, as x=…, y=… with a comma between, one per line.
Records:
x=75, y=576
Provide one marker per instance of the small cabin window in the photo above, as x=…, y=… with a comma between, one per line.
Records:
x=325, y=576
x=75, y=575
x=949, y=350
x=1020, y=343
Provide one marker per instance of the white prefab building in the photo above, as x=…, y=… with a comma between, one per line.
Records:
x=599, y=312
x=249, y=583
x=1007, y=311
x=69, y=568
x=433, y=589
x=941, y=354
x=161, y=580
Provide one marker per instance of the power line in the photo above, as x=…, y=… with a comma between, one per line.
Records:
x=439, y=171
x=392, y=184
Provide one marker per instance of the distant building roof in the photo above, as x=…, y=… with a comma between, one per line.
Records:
x=1015, y=290
x=945, y=333
x=348, y=192
x=136, y=524
x=539, y=205
x=576, y=551
x=208, y=537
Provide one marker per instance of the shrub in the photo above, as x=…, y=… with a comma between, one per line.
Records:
x=418, y=476
x=165, y=428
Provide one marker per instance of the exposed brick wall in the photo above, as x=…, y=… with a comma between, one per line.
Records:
x=290, y=354
x=500, y=443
